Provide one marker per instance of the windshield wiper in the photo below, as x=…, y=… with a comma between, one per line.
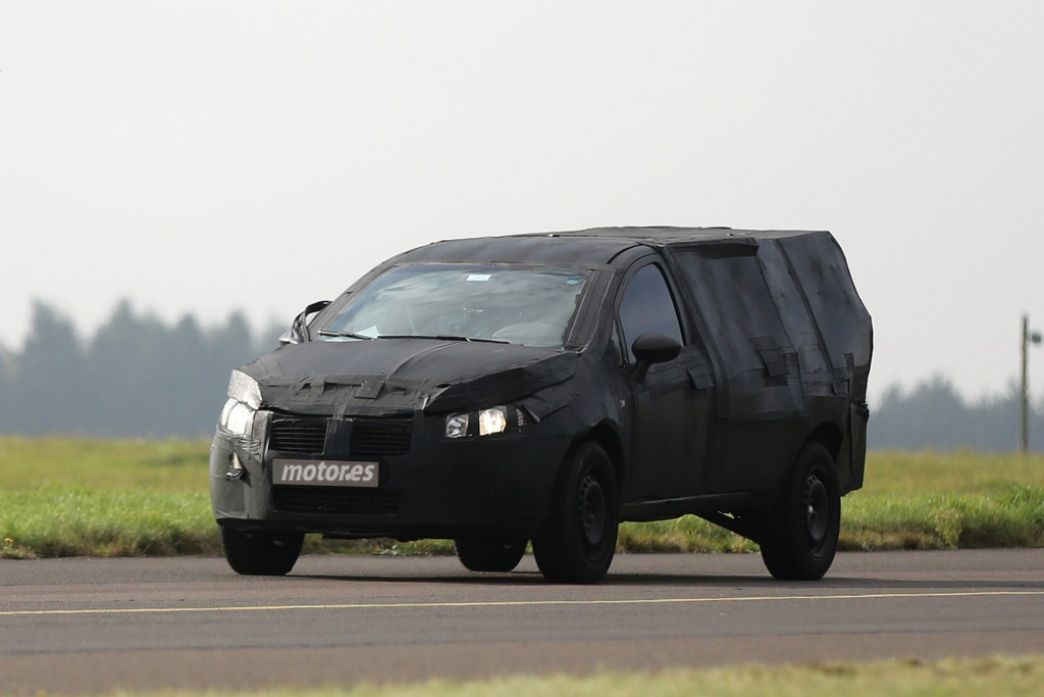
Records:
x=442, y=337
x=350, y=335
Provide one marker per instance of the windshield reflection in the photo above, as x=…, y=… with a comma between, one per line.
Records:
x=504, y=303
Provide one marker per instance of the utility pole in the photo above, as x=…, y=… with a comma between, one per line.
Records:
x=1027, y=338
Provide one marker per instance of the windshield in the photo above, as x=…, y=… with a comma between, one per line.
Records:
x=476, y=302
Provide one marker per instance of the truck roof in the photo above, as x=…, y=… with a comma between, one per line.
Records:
x=592, y=245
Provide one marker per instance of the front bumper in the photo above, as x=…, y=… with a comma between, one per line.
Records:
x=496, y=487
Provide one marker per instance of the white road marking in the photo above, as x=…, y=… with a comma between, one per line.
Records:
x=505, y=603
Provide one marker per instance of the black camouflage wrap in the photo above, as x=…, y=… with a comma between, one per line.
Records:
x=777, y=351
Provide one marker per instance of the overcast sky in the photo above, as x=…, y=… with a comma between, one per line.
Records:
x=205, y=156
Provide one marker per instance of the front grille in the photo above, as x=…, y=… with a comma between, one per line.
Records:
x=370, y=437
x=381, y=437
x=297, y=434
x=332, y=499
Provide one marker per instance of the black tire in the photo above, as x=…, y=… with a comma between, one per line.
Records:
x=481, y=555
x=577, y=541
x=261, y=552
x=799, y=539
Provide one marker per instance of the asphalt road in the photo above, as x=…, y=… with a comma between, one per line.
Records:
x=91, y=625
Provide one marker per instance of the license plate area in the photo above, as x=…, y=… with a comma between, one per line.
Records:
x=346, y=473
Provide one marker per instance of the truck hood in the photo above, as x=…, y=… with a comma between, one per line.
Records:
x=396, y=376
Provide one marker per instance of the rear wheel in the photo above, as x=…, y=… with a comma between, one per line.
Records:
x=577, y=541
x=800, y=536
x=261, y=552
x=481, y=555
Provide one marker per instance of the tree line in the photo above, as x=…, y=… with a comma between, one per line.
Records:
x=136, y=376
x=935, y=415
x=139, y=376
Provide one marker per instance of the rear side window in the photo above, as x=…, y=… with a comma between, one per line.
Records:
x=648, y=308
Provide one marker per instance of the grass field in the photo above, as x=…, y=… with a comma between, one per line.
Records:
x=984, y=676
x=64, y=497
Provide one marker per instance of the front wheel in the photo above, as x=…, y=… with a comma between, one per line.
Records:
x=800, y=536
x=480, y=555
x=261, y=552
x=577, y=541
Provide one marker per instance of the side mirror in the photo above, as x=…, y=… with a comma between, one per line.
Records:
x=653, y=348
x=298, y=331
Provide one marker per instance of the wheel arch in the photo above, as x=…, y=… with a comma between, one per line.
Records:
x=826, y=433
x=830, y=436
x=608, y=438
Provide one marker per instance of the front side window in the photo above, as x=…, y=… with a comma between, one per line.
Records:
x=647, y=308
x=515, y=304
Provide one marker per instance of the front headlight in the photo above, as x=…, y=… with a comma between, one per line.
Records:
x=457, y=425
x=244, y=399
x=487, y=422
x=243, y=388
x=492, y=421
x=237, y=417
